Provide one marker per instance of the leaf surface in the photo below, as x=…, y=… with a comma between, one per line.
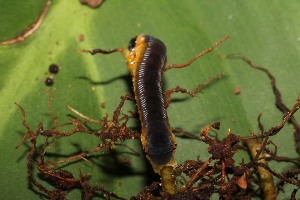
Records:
x=187, y=27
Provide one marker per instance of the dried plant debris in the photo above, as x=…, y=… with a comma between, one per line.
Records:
x=111, y=132
x=193, y=179
x=92, y=3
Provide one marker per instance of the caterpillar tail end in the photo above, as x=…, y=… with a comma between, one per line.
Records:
x=168, y=179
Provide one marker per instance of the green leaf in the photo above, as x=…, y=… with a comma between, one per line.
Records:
x=256, y=29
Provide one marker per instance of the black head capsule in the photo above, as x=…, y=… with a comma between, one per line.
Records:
x=132, y=43
x=53, y=68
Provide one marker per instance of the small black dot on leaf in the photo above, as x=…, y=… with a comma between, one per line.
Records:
x=49, y=81
x=53, y=68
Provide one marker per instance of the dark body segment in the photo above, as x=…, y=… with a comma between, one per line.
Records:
x=159, y=142
x=151, y=101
